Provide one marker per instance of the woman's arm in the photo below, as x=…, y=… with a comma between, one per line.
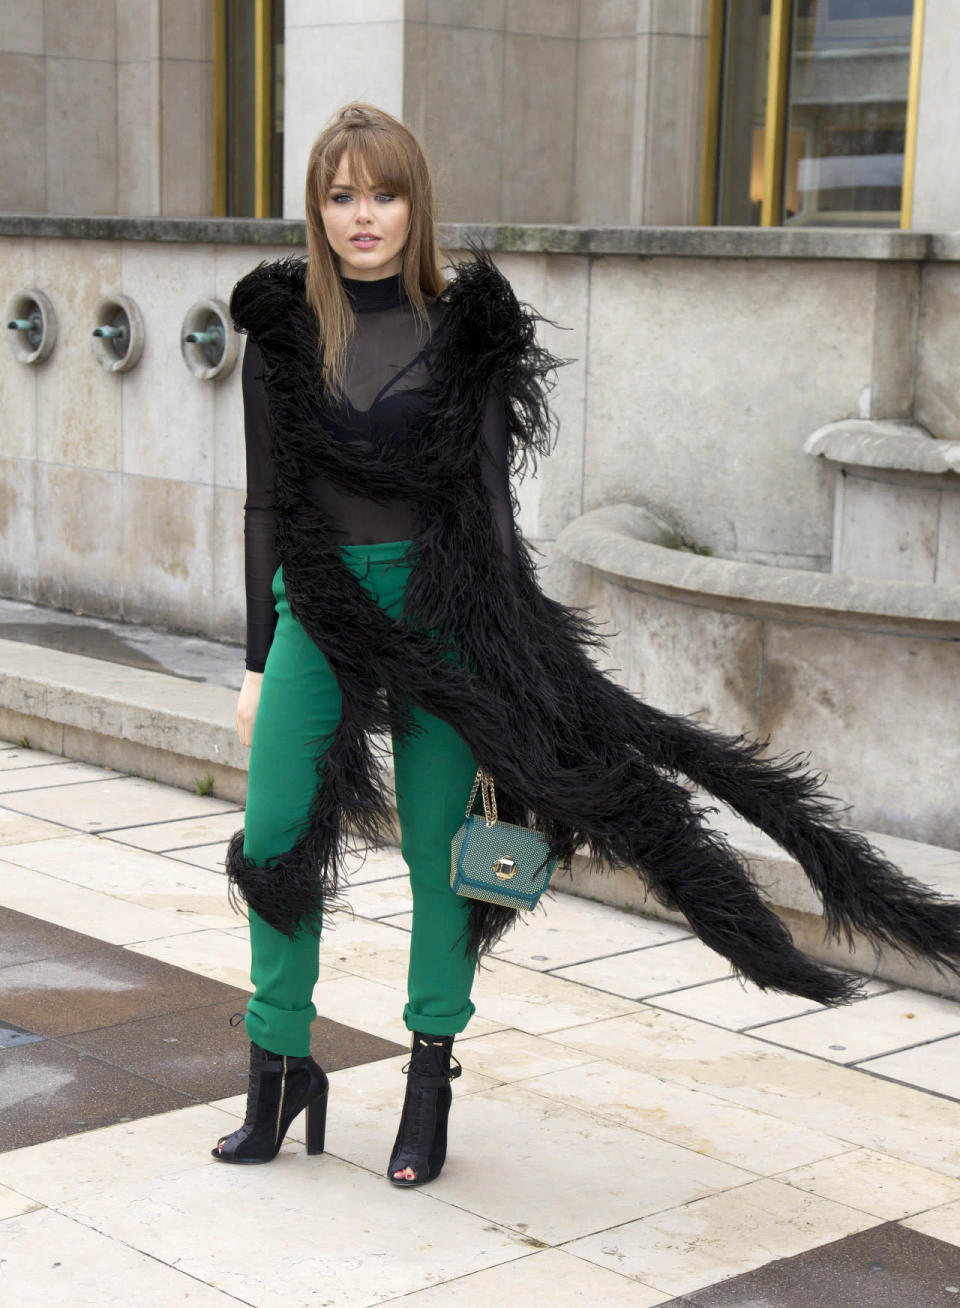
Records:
x=260, y=560
x=259, y=515
x=495, y=469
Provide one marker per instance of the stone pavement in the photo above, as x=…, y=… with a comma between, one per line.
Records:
x=633, y=1126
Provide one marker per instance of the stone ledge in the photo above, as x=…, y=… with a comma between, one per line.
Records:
x=545, y=238
x=172, y=730
x=149, y=723
x=634, y=549
x=899, y=446
x=790, y=893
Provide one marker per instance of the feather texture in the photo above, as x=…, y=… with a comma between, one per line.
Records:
x=572, y=752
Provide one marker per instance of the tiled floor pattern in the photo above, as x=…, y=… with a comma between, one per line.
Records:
x=95, y=1034
x=633, y=1126
x=888, y=1266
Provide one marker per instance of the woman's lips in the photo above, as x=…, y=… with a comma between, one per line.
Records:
x=363, y=241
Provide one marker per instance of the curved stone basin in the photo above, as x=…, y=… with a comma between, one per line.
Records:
x=860, y=672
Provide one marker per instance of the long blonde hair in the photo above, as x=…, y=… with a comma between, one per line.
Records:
x=379, y=147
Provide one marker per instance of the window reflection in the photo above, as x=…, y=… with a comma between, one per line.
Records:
x=849, y=75
x=241, y=76
x=840, y=111
x=746, y=40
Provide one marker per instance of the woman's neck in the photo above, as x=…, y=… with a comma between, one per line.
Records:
x=369, y=294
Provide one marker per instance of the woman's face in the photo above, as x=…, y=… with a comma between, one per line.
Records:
x=353, y=211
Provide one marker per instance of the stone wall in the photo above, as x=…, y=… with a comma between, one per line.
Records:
x=559, y=111
x=701, y=362
x=858, y=672
x=121, y=494
x=106, y=106
x=540, y=111
x=570, y=111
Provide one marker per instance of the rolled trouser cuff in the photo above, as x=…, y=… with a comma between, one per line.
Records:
x=281, y=1030
x=451, y=1024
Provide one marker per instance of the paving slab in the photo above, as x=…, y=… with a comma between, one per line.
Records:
x=197, y=1052
x=13, y=1204
x=548, y=1170
x=383, y=898
x=48, y=1091
x=212, y=857
x=693, y=1119
x=17, y=780
x=58, y=1261
x=107, y=917
x=565, y=930
x=135, y=875
x=670, y=1147
x=887, y=1266
x=101, y=986
x=879, y=1024
x=181, y=833
x=309, y=1210
x=511, y=1055
x=110, y=805
x=689, y=1248
x=223, y=955
x=934, y=1066
x=942, y=1222
x=551, y=1276
x=864, y=1110
x=25, y=939
x=641, y=973
x=14, y=758
x=15, y=828
x=875, y=1183
x=739, y=1005
x=93, y=1162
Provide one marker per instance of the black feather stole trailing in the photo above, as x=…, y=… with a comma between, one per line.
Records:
x=572, y=752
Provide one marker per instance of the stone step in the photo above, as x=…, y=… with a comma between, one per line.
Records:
x=182, y=732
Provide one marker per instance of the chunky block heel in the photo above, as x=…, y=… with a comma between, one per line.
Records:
x=421, y=1143
x=278, y=1088
x=317, y=1122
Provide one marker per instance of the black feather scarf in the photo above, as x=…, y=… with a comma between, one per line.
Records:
x=572, y=752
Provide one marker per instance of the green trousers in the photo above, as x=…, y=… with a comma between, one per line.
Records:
x=299, y=705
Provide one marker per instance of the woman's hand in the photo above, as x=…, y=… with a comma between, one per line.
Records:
x=247, y=706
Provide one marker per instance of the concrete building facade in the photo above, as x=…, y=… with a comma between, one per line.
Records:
x=755, y=481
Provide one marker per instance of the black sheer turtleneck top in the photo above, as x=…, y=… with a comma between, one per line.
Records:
x=387, y=370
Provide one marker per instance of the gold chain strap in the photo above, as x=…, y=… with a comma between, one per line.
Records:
x=483, y=782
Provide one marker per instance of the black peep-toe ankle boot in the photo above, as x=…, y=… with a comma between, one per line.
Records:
x=421, y=1142
x=279, y=1087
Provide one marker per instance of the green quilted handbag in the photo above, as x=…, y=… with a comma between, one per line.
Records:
x=498, y=861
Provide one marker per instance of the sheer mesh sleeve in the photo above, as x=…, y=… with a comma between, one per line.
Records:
x=259, y=554
x=495, y=469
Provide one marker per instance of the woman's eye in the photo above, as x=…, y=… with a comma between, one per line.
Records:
x=381, y=195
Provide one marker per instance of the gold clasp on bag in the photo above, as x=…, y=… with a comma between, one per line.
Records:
x=505, y=868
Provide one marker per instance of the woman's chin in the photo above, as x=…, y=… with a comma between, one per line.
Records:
x=369, y=263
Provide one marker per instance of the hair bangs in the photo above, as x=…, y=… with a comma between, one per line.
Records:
x=374, y=159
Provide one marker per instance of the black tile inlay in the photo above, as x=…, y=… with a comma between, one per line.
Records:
x=100, y=986
x=50, y=1091
x=123, y=1035
x=887, y=1266
x=198, y=1053
x=26, y=939
x=12, y=1036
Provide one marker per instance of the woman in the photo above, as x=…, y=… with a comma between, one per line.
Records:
x=389, y=590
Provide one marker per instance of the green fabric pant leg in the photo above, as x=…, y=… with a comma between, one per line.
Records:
x=434, y=771
x=300, y=704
